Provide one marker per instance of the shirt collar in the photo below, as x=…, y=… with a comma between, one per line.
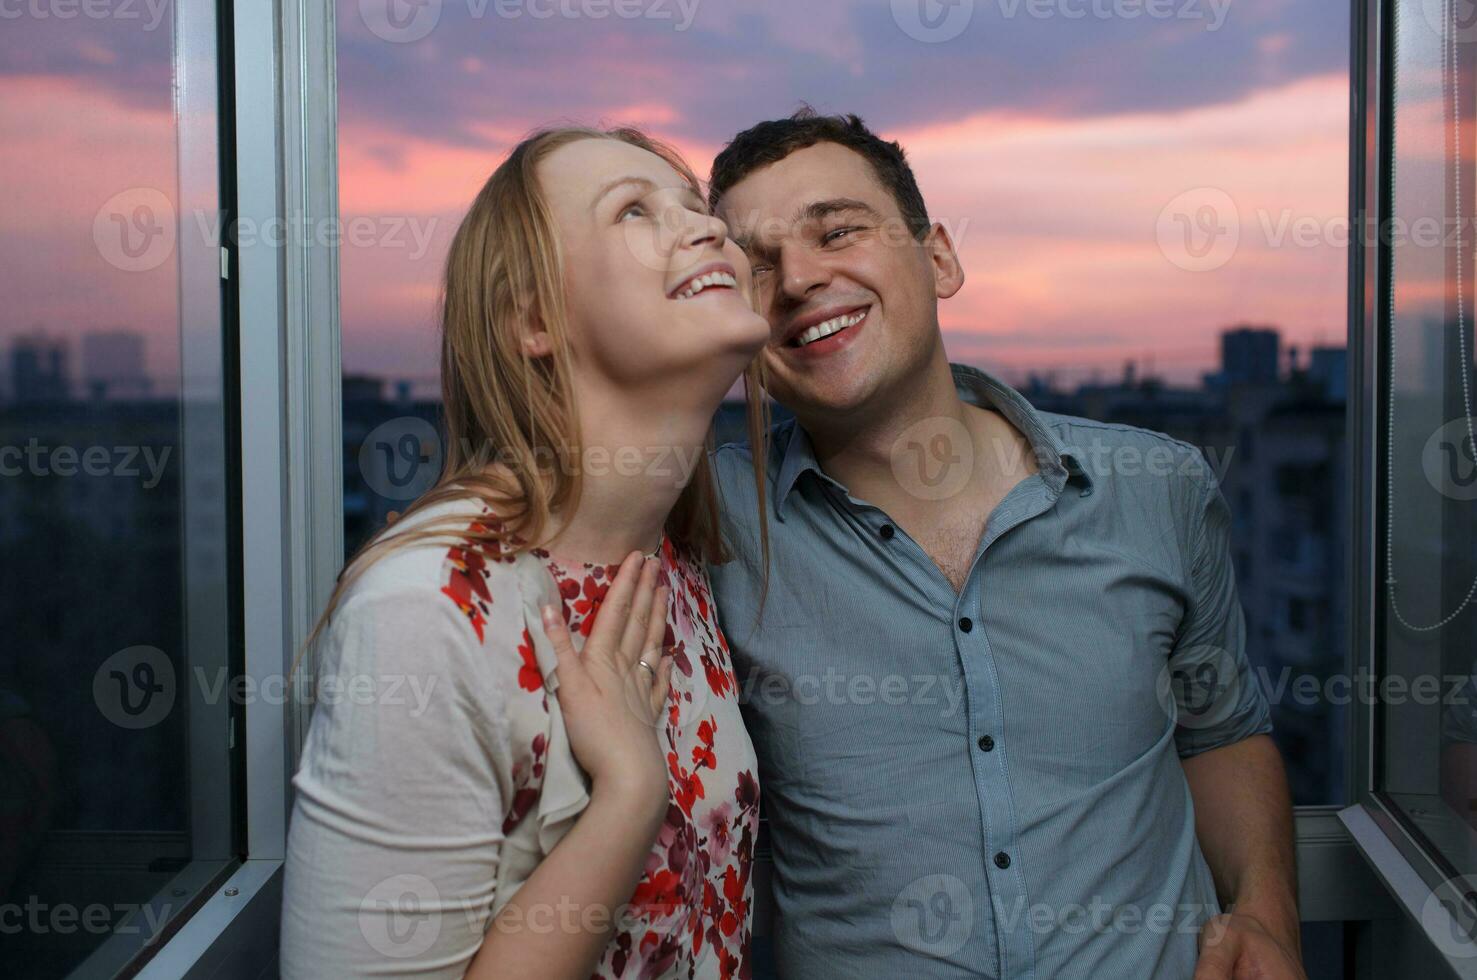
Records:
x=1058, y=463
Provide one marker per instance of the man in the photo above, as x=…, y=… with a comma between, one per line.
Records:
x=996, y=673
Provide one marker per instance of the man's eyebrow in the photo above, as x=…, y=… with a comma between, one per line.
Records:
x=836, y=205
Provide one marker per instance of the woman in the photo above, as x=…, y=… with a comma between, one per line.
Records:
x=532, y=789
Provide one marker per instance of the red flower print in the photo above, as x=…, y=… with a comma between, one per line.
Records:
x=718, y=825
x=622, y=947
x=720, y=678
x=687, y=788
x=593, y=593
x=748, y=791
x=657, y=894
x=702, y=755
x=528, y=778
x=729, y=965
x=529, y=677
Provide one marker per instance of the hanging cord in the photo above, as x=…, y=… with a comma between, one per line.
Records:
x=1450, y=68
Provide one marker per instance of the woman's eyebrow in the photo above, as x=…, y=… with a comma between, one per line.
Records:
x=616, y=184
x=649, y=186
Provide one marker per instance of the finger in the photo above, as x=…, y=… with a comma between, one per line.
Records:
x=1217, y=958
x=610, y=620
x=656, y=625
x=558, y=634
x=632, y=646
x=660, y=686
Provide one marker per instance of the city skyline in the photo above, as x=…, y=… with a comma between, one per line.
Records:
x=111, y=364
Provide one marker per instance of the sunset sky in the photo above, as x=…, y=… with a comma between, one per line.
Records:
x=1069, y=145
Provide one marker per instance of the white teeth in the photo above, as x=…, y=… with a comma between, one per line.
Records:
x=832, y=325
x=700, y=283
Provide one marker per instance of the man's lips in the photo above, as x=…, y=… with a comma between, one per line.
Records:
x=803, y=323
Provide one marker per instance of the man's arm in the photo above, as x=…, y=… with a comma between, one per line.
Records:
x=1243, y=819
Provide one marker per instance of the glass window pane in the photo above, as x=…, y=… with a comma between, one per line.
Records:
x=1428, y=708
x=115, y=737
x=1195, y=288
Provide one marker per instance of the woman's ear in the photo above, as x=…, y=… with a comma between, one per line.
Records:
x=536, y=340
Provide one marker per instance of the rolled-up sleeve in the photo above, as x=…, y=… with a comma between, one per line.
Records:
x=396, y=829
x=1217, y=695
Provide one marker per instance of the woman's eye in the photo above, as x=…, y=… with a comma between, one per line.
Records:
x=630, y=209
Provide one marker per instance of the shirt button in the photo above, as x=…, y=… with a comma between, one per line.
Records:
x=966, y=624
x=1002, y=860
x=886, y=532
x=986, y=743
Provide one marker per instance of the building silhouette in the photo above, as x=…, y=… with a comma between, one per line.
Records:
x=38, y=369
x=113, y=365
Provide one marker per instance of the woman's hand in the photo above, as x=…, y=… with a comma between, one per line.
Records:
x=613, y=691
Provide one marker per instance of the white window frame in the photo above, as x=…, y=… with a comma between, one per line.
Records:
x=291, y=457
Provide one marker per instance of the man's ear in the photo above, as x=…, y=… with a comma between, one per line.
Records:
x=948, y=274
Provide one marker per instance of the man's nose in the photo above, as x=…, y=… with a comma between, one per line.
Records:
x=801, y=272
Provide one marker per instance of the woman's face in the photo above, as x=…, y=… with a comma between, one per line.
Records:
x=656, y=292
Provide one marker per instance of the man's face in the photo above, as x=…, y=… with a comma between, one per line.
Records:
x=850, y=295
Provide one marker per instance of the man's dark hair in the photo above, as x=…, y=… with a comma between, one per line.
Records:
x=772, y=141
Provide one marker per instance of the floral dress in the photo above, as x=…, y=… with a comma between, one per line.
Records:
x=384, y=877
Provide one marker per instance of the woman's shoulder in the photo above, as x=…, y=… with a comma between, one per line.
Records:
x=452, y=558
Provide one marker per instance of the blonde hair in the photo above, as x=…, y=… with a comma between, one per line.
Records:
x=503, y=271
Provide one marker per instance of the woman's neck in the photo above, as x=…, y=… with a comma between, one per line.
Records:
x=633, y=464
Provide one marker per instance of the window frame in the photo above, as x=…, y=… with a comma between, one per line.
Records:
x=280, y=99
x=1406, y=868
x=209, y=532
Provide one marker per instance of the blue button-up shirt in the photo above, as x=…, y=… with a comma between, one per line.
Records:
x=987, y=783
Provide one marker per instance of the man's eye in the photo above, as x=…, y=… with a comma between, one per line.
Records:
x=836, y=234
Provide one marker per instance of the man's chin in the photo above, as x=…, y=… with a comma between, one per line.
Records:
x=838, y=397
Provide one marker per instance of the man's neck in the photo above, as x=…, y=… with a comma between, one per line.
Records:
x=903, y=460
x=860, y=452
